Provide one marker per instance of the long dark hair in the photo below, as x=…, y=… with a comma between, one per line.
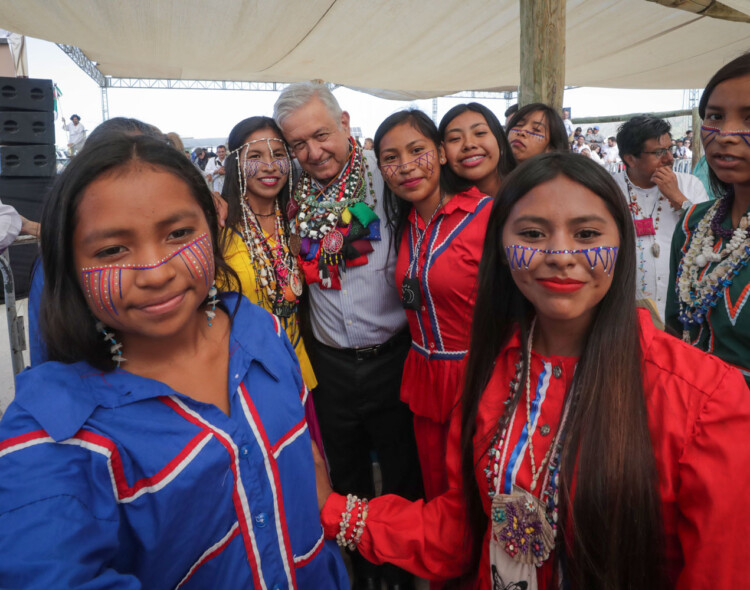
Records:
x=231, y=191
x=736, y=68
x=615, y=524
x=397, y=210
x=558, y=137
x=67, y=324
x=506, y=162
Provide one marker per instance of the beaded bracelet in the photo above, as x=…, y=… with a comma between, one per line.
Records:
x=359, y=524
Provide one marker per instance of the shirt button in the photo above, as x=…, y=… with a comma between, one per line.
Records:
x=245, y=450
x=344, y=291
x=236, y=375
x=424, y=308
x=348, y=322
x=261, y=520
x=432, y=345
x=557, y=371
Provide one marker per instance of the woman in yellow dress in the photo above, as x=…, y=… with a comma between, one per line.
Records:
x=257, y=189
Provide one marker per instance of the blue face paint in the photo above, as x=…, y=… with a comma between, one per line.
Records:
x=709, y=134
x=520, y=257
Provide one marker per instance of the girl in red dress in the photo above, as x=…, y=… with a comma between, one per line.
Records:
x=592, y=450
x=439, y=226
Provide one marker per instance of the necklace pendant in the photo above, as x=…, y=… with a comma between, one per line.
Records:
x=294, y=244
x=655, y=249
x=295, y=284
x=520, y=524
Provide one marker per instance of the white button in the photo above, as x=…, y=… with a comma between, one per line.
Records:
x=349, y=322
x=344, y=291
x=237, y=376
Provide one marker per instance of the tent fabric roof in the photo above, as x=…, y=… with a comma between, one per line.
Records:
x=394, y=48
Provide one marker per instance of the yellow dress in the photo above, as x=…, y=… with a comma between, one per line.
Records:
x=238, y=257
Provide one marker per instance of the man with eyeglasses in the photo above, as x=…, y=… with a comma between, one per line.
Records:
x=657, y=197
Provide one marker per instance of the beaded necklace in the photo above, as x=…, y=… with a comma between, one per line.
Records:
x=525, y=525
x=320, y=208
x=698, y=292
x=276, y=277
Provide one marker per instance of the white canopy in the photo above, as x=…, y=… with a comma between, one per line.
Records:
x=402, y=48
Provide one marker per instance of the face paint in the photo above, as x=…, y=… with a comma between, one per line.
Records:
x=520, y=257
x=102, y=285
x=519, y=131
x=425, y=160
x=250, y=168
x=709, y=134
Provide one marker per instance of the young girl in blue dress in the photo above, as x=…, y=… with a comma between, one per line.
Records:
x=164, y=445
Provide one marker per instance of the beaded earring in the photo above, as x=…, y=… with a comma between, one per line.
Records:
x=114, y=347
x=211, y=313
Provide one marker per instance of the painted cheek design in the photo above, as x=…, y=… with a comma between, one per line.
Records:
x=520, y=257
x=519, y=131
x=425, y=160
x=709, y=134
x=102, y=285
x=253, y=166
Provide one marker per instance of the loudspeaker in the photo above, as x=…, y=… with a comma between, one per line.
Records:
x=19, y=127
x=28, y=160
x=27, y=195
x=26, y=94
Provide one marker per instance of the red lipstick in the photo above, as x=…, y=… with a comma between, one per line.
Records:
x=561, y=285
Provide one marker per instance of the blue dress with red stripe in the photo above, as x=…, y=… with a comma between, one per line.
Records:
x=111, y=480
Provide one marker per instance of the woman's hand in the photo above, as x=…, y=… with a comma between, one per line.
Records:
x=322, y=482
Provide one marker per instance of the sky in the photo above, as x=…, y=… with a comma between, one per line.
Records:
x=213, y=113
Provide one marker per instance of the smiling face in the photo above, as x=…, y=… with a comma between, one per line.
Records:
x=530, y=136
x=319, y=142
x=410, y=163
x=143, y=252
x=265, y=164
x=221, y=153
x=726, y=131
x=556, y=216
x=471, y=149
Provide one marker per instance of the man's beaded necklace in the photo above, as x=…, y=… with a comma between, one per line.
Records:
x=320, y=209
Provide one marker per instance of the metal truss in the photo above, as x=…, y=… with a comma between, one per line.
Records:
x=84, y=63
x=163, y=83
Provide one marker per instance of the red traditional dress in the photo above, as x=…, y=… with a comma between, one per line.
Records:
x=699, y=417
x=446, y=266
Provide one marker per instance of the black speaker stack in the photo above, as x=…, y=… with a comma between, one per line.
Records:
x=28, y=159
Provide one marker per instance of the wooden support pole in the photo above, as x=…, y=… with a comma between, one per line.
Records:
x=696, y=145
x=542, y=52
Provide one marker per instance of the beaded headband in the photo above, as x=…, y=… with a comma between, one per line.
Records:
x=517, y=256
x=519, y=130
x=425, y=160
x=250, y=167
x=708, y=134
x=101, y=284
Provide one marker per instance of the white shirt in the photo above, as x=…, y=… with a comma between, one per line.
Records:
x=568, y=127
x=76, y=133
x=612, y=154
x=217, y=180
x=652, y=272
x=10, y=225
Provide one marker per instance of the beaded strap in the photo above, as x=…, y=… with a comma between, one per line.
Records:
x=362, y=508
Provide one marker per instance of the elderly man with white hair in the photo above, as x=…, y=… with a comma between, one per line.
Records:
x=360, y=337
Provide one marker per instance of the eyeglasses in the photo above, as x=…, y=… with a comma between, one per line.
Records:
x=660, y=153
